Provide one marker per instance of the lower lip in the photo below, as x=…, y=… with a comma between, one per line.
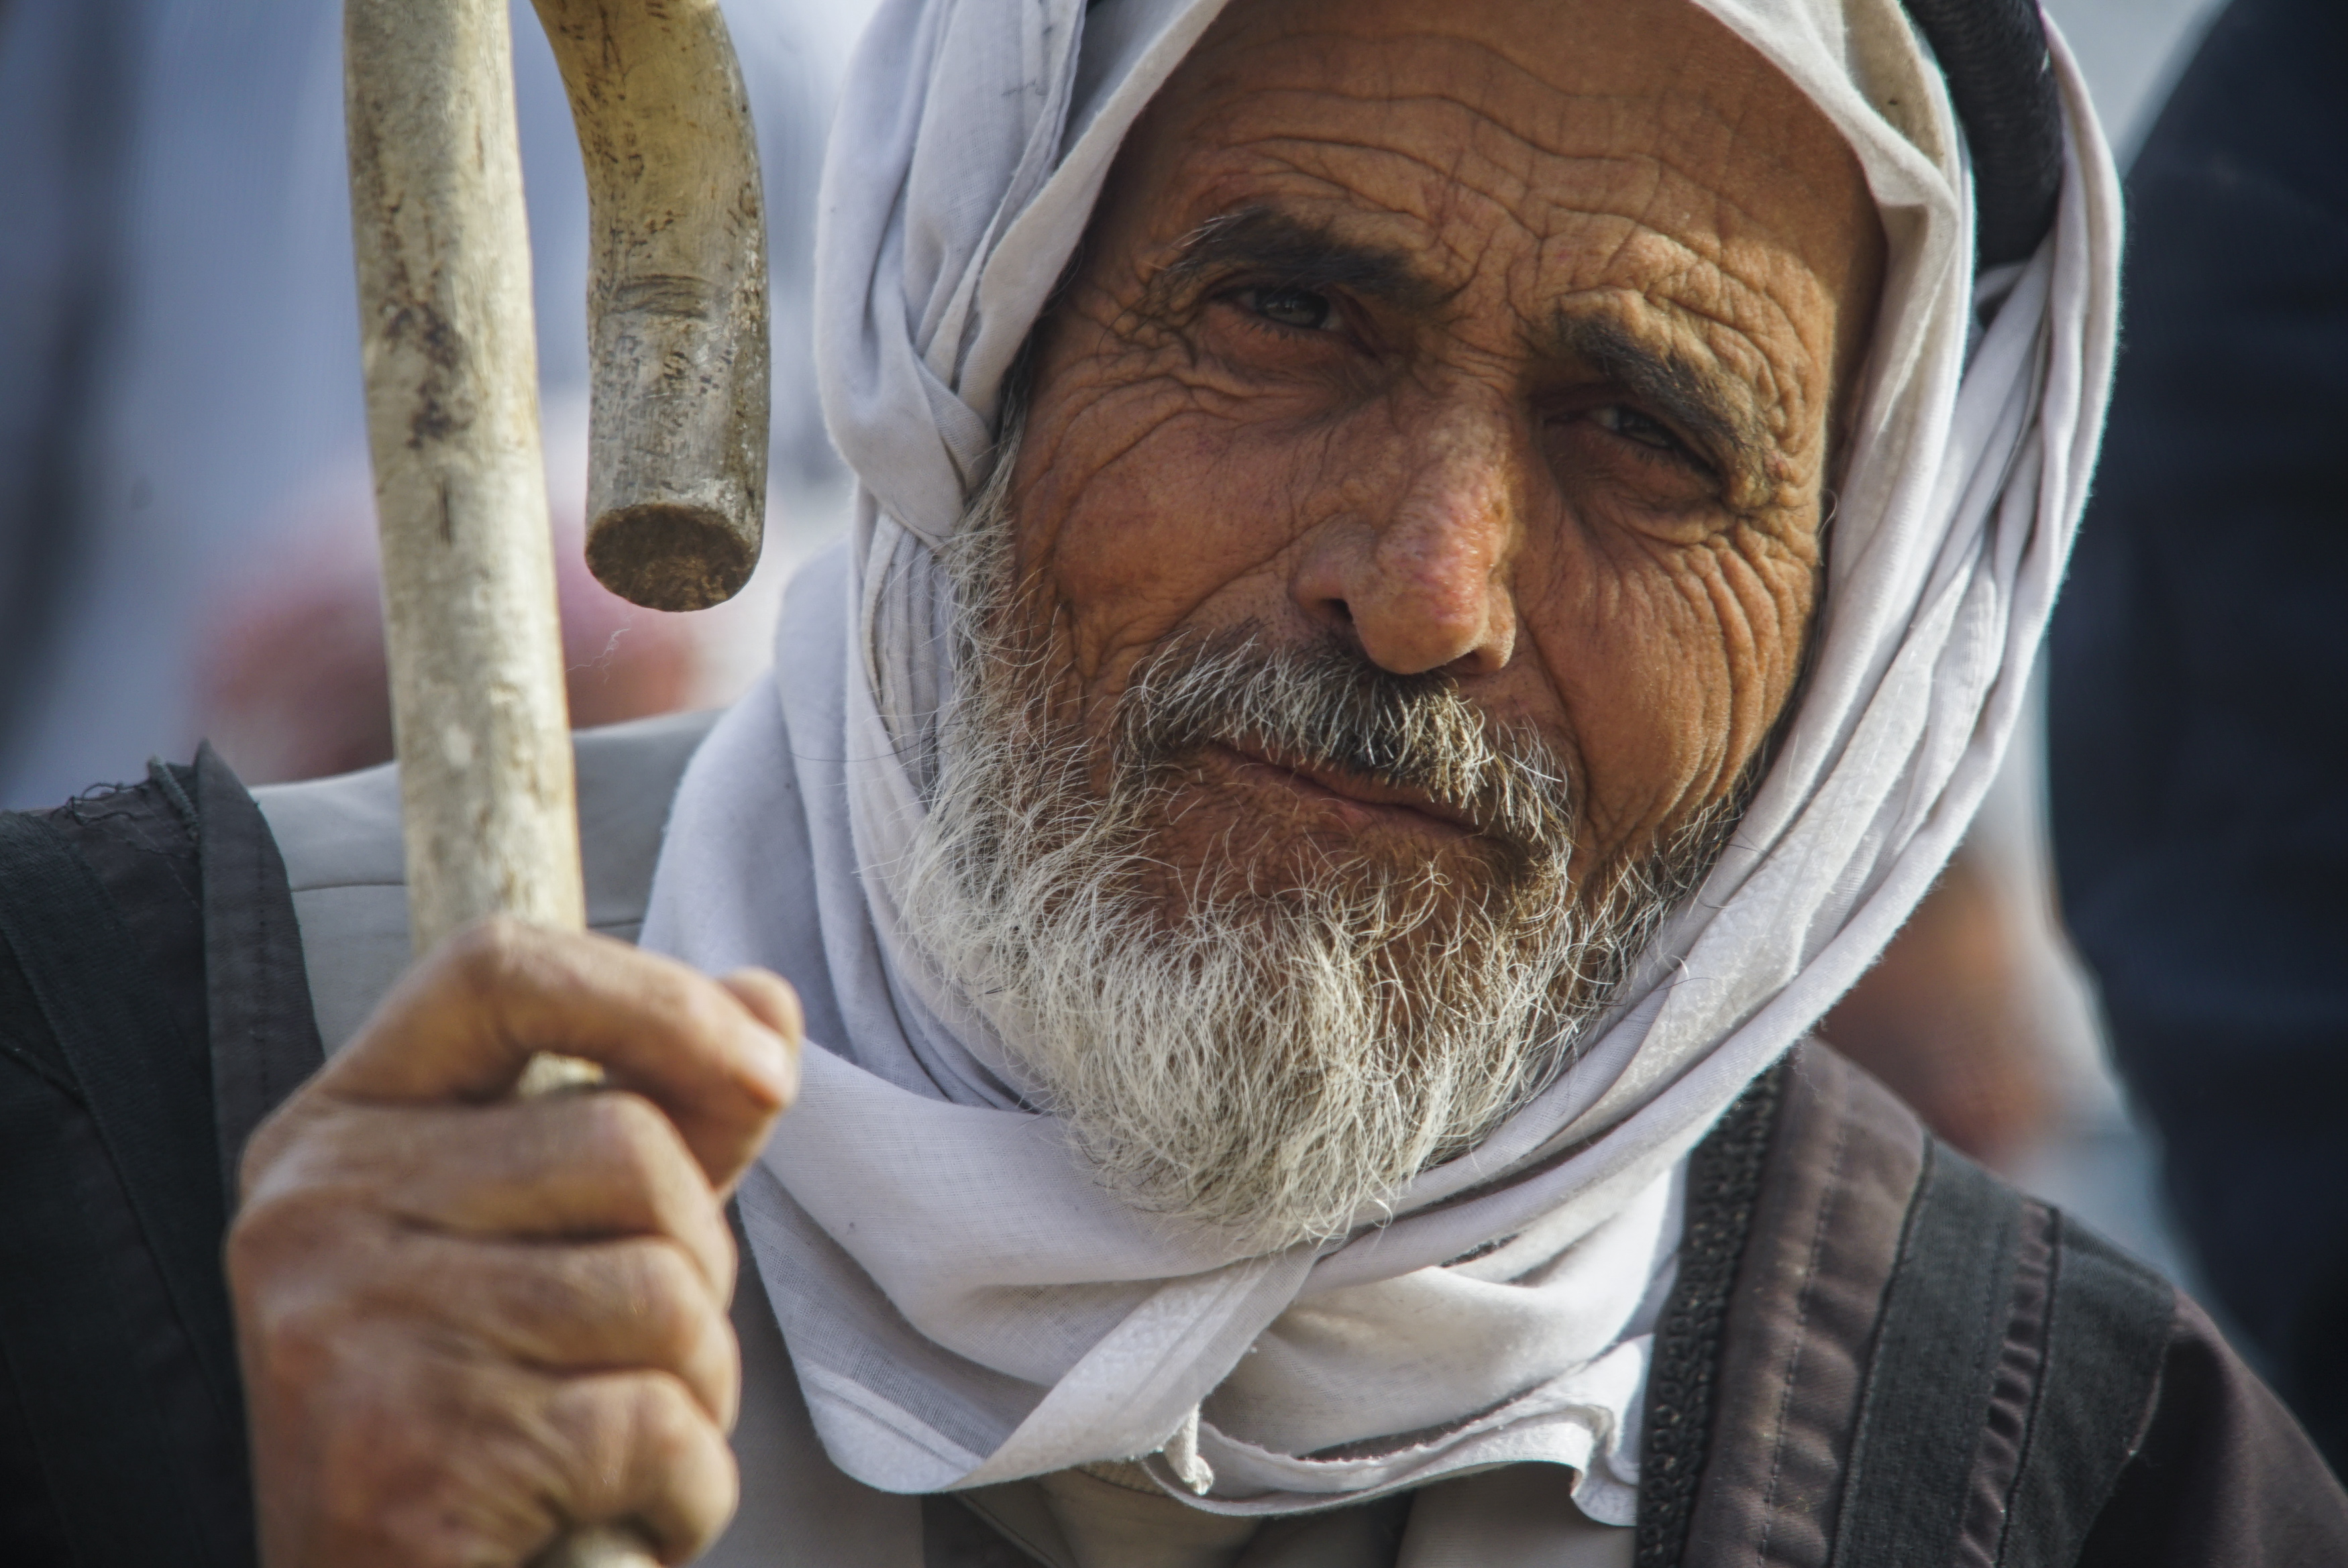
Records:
x=1357, y=812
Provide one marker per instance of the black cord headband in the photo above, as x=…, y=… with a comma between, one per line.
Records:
x=2002, y=83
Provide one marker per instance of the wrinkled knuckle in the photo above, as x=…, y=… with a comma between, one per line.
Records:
x=669, y=1302
x=687, y=1474
x=432, y=1541
x=667, y=1427
x=284, y=1228
x=280, y=1136
x=257, y=1238
x=261, y=1153
x=703, y=1010
x=363, y=1464
x=312, y=1152
x=630, y=1136
x=487, y=955
x=781, y=999
x=295, y=1342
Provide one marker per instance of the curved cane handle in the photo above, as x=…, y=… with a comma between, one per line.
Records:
x=676, y=485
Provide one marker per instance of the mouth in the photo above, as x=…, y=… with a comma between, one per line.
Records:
x=1358, y=801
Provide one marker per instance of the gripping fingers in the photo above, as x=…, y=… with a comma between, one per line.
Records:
x=464, y=1021
x=622, y=1306
x=566, y=1167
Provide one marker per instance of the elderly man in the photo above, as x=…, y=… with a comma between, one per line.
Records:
x=1430, y=588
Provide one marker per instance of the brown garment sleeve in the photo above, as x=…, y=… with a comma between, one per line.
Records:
x=1877, y=1355
x=2223, y=1477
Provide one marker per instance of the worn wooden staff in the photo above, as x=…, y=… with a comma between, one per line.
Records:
x=677, y=323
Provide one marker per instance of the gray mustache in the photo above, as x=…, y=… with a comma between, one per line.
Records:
x=1322, y=705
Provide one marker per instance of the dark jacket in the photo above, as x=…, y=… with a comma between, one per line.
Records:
x=1875, y=1354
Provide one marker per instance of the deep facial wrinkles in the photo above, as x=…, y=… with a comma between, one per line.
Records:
x=1553, y=420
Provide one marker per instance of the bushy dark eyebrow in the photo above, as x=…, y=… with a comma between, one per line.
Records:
x=1715, y=409
x=1288, y=252
x=1291, y=252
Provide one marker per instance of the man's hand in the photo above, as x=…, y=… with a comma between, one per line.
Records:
x=465, y=1321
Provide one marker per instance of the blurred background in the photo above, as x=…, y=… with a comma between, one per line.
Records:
x=186, y=518
x=186, y=528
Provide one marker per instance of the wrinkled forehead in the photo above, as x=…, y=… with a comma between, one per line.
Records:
x=1858, y=63
x=1622, y=144
x=1503, y=100
x=977, y=138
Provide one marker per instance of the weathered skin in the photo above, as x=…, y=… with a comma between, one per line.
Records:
x=463, y=1321
x=1431, y=468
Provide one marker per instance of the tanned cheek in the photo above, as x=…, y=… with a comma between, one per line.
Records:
x=1162, y=505
x=1696, y=655
x=1751, y=593
x=1777, y=587
x=1673, y=662
x=1744, y=639
x=1613, y=644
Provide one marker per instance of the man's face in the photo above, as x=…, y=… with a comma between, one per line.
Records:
x=1496, y=342
x=1411, y=540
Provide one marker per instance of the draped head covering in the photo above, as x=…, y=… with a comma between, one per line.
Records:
x=962, y=1302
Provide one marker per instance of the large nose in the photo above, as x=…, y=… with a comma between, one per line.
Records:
x=1418, y=569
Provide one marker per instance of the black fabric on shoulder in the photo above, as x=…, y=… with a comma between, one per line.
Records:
x=96, y=1471
x=1930, y=1378
x=36, y=1101
x=135, y=1069
x=136, y=844
x=1934, y=1363
x=2107, y=1331
x=264, y=1035
x=2222, y=1474
x=114, y=1317
x=1723, y=1179
x=1968, y=1372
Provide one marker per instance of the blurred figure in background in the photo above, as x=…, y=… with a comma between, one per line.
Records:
x=291, y=678
x=185, y=518
x=1943, y=1020
x=2198, y=702
x=1978, y=1017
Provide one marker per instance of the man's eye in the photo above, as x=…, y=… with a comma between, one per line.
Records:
x=1633, y=426
x=1299, y=308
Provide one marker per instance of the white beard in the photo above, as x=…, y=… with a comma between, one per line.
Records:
x=1274, y=1062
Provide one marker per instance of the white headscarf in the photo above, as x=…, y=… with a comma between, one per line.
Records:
x=962, y=1303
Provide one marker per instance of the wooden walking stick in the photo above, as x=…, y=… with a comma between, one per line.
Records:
x=677, y=308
